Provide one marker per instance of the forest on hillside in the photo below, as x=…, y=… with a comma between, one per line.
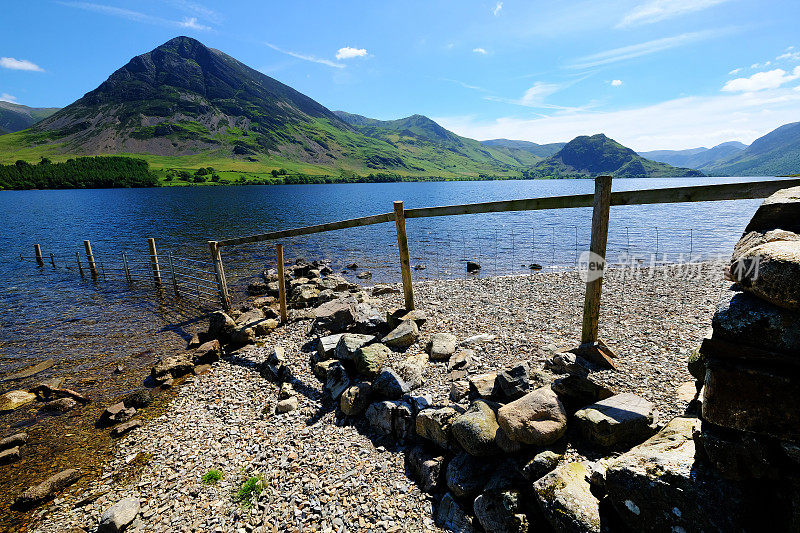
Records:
x=79, y=173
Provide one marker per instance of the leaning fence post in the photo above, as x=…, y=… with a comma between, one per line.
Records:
x=405, y=261
x=174, y=279
x=52, y=260
x=90, y=259
x=281, y=283
x=600, y=214
x=151, y=242
x=127, y=269
x=38, y=250
x=216, y=260
x=78, y=259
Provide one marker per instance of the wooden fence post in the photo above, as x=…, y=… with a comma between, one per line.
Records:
x=219, y=273
x=78, y=259
x=174, y=279
x=281, y=283
x=405, y=261
x=600, y=214
x=52, y=260
x=151, y=243
x=127, y=269
x=38, y=250
x=90, y=259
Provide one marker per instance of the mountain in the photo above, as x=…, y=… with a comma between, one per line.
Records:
x=776, y=153
x=422, y=136
x=539, y=150
x=586, y=156
x=187, y=100
x=696, y=157
x=16, y=117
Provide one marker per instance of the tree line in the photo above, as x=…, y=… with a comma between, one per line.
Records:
x=80, y=173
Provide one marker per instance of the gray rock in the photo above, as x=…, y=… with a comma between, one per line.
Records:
x=286, y=391
x=403, y=336
x=476, y=429
x=336, y=316
x=771, y=272
x=568, y=363
x=427, y=468
x=515, y=382
x=442, y=346
x=220, y=326
x=321, y=369
x=326, y=346
x=484, y=385
x=538, y=418
x=17, y=439
x=336, y=380
x=565, y=498
x=9, y=455
x=477, y=339
x=274, y=367
x=435, y=426
x=660, y=486
x=501, y=511
x=744, y=319
x=622, y=419
x=173, y=366
x=62, y=405
x=741, y=455
x=119, y=516
x=467, y=475
x=48, y=488
x=387, y=384
x=753, y=239
x=371, y=358
x=577, y=390
x=287, y=405
x=541, y=464
x=411, y=369
x=207, y=353
x=451, y=516
x=124, y=428
x=461, y=360
x=369, y=320
x=379, y=290
x=117, y=413
x=780, y=210
x=459, y=391
x=391, y=418
x=355, y=399
x=349, y=343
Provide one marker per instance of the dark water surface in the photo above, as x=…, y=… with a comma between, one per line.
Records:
x=89, y=327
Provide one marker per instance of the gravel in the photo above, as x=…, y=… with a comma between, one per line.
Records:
x=323, y=473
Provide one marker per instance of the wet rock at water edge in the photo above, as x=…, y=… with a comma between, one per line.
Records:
x=117, y=413
x=472, y=266
x=15, y=399
x=18, y=439
x=9, y=455
x=62, y=405
x=47, y=489
x=125, y=427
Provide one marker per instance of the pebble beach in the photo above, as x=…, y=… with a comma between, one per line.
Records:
x=321, y=471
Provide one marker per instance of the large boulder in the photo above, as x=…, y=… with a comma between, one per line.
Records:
x=452, y=517
x=355, y=399
x=426, y=467
x=411, y=369
x=565, y=498
x=220, y=326
x=403, y=336
x=335, y=316
x=780, y=210
x=661, y=486
x=387, y=384
x=48, y=488
x=348, y=345
x=119, y=516
x=442, y=346
x=515, y=382
x=370, y=359
x=501, y=511
x=753, y=239
x=435, y=426
x=538, y=418
x=467, y=475
x=744, y=319
x=622, y=419
x=326, y=346
x=771, y=272
x=476, y=429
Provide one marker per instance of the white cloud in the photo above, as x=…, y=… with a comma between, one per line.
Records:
x=790, y=56
x=5, y=97
x=481, y=51
x=616, y=83
x=535, y=96
x=771, y=79
x=657, y=10
x=19, y=64
x=674, y=124
x=497, y=9
x=306, y=57
x=641, y=49
x=734, y=72
x=348, y=52
x=191, y=23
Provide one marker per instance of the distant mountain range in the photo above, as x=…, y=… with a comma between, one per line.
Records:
x=16, y=117
x=186, y=105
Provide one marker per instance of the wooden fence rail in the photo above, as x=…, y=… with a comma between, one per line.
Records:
x=601, y=201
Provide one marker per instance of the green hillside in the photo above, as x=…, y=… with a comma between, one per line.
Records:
x=586, y=156
x=698, y=158
x=539, y=150
x=16, y=117
x=775, y=154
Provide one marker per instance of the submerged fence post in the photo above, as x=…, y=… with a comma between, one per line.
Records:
x=78, y=259
x=154, y=260
x=281, y=283
x=405, y=261
x=90, y=259
x=38, y=250
x=125, y=265
x=219, y=273
x=174, y=279
x=594, y=287
x=52, y=260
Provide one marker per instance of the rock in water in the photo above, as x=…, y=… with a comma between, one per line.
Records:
x=538, y=418
x=476, y=429
x=48, y=488
x=15, y=399
x=660, y=486
x=442, y=346
x=472, y=266
x=566, y=500
x=18, y=439
x=624, y=418
x=402, y=336
x=122, y=429
x=119, y=516
x=9, y=455
x=220, y=326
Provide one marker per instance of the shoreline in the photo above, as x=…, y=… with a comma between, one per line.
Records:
x=218, y=419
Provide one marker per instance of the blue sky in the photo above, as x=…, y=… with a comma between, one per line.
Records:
x=653, y=74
